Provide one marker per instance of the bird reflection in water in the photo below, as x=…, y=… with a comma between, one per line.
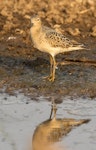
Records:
x=53, y=130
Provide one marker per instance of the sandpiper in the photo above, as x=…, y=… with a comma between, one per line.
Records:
x=49, y=41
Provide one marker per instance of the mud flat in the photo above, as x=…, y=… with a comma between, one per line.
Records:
x=24, y=94
x=22, y=67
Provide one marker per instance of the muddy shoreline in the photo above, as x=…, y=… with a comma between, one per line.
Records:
x=22, y=67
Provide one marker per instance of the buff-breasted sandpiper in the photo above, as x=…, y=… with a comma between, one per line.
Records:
x=49, y=41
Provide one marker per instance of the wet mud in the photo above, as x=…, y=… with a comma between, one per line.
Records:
x=23, y=68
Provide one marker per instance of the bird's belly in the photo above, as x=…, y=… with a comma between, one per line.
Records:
x=43, y=46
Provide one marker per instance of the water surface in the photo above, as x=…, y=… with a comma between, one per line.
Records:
x=19, y=117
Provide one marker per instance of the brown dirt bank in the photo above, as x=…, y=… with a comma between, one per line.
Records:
x=22, y=67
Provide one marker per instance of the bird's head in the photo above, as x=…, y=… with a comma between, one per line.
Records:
x=35, y=21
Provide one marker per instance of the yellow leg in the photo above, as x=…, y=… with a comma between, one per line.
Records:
x=51, y=77
x=51, y=65
x=52, y=68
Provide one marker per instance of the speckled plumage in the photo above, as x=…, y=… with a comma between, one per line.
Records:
x=48, y=40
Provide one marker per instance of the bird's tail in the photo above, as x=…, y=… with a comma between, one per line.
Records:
x=79, y=122
x=79, y=47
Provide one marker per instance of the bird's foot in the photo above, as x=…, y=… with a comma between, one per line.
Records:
x=50, y=78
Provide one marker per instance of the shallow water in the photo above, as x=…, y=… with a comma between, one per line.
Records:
x=19, y=117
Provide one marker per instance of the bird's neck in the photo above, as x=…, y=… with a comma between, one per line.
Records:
x=36, y=29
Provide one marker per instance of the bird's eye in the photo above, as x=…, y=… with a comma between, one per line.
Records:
x=38, y=19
